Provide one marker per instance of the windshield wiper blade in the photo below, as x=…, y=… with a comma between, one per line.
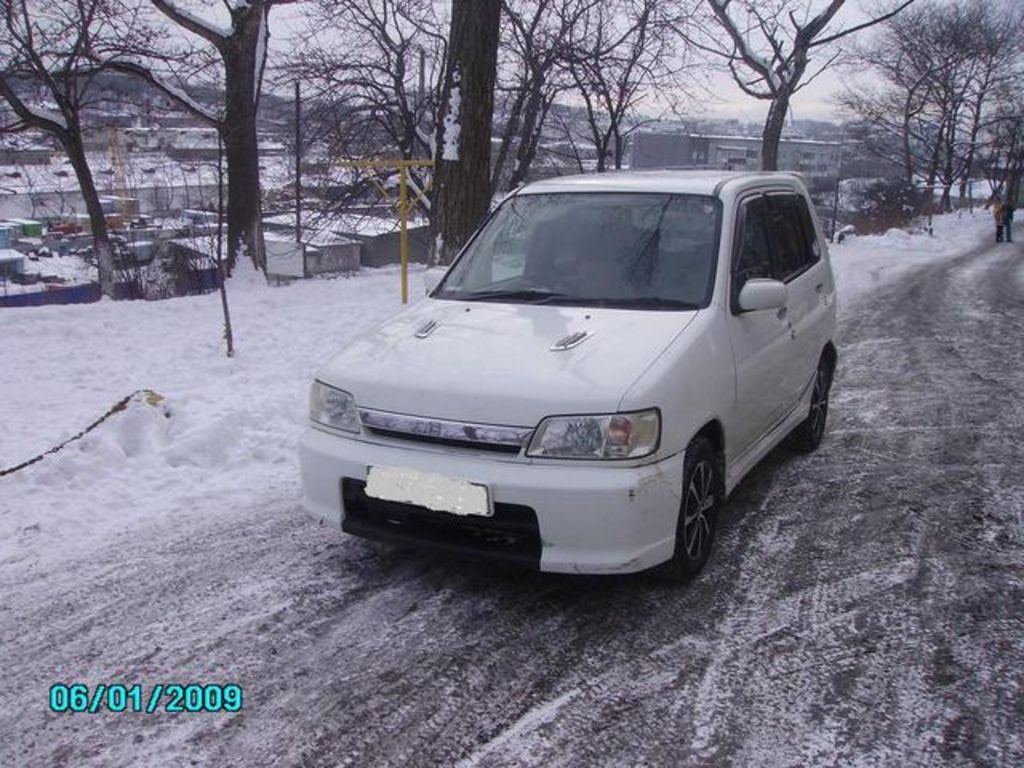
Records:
x=530, y=295
x=651, y=302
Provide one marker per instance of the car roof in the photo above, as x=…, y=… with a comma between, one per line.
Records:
x=706, y=182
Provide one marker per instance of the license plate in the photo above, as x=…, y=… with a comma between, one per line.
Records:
x=426, y=489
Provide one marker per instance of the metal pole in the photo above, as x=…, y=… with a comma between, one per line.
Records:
x=403, y=236
x=298, y=165
x=220, y=202
x=229, y=340
x=839, y=177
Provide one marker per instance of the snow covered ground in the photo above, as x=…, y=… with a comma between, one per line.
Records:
x=225, y=432
x=221, y=441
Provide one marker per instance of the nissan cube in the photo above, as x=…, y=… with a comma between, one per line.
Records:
x=595, y=373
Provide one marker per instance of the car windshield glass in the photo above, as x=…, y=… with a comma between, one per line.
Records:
x=629, y=250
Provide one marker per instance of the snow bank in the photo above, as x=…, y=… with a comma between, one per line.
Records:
x=225, y=432
x=863, y=263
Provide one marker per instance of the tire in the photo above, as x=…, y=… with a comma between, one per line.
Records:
x=808, y=434
x=698, y=513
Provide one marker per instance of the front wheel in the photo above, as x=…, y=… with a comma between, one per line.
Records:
x=695, y=530
x=808, y=434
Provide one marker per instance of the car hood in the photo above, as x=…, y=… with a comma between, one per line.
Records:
x=494, y=364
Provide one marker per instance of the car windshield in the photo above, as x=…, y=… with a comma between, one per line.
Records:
x=655, y=251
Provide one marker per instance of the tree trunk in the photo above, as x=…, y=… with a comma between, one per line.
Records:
x=948, y=177
x=772, y=134
x=905, y=146
x=75, y=151
x=976, y=117
x=620, y=149
x=529, y=136
x=463, y=170
x=245, y=226
x=509, y=132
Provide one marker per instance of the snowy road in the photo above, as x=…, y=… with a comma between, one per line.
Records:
x=865, y=604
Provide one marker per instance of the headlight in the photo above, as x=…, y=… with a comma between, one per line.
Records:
x=333, y=408
x=615, y=436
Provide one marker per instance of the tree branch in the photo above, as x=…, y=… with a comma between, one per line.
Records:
x=859, y=27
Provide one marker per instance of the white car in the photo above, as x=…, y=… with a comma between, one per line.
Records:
x=603, y=363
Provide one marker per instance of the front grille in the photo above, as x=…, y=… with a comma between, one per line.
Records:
x=494, y=438
x=511, y=535
x=452, y=442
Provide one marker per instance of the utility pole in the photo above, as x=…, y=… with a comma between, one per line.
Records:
x=298, y=165
x=839, y=178
x=229, y=340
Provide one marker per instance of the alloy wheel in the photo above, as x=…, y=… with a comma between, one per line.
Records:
x=700, y=499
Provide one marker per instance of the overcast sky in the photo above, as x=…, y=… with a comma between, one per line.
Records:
x=814, y=102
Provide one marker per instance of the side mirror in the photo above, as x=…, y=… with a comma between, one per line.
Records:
x=760, y=293
x=431, y=278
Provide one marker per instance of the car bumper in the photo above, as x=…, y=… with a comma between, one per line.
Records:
x=588, y=518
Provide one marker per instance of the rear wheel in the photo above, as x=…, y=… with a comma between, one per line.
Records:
x=695, y=530
x=808, y=434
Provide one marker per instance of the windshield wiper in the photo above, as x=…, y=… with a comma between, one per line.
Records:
x=529, y=295
x=652, y=302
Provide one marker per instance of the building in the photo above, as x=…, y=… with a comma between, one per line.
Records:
x=31, y=155
x=692, y=150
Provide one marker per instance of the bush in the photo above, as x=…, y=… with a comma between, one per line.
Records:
x=874, y=206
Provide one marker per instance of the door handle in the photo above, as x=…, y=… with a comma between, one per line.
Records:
x=781, y=314
x=819, y=287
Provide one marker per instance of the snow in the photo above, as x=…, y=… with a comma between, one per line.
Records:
x=508, y=739
x=164, y=545
x=73, y=270
x=261, y=51
x=452, y=126
x=48, y=114
x=233, y=424
x=861, y=263
x=352, y=222
x=210, y=26
x=187, y=100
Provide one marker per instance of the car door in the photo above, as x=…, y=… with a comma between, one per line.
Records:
x=761, y=341
x=798, y=263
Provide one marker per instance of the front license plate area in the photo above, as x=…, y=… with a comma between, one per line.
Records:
x=427, y=489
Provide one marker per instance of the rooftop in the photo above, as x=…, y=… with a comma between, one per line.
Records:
x=706, y=182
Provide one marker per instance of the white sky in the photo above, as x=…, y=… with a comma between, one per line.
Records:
x=814, y=102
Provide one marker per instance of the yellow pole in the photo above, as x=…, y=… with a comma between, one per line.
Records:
x=403, y=167
x=403, y=237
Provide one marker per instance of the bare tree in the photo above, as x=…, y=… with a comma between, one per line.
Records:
x=240, y=50
x=462, y=183
x=894, y=115
x=998, y=48
x=374, y=92
x=940, y=66
x=1002, y=156
x=48, y=79
x=621, y=53
x=768, y=47
x=532, y=73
